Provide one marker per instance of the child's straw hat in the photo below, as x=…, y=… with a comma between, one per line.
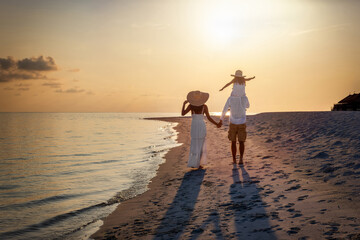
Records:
x=238, y=73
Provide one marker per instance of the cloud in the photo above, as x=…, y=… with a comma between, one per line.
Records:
x=336, y=27
x=23, y=85
x=150, y=25
x=23, y=89
x=25, y=69
x=52, y=84
x=37, y=64
x=7, y=76
x=70, y=90
x=7, y=63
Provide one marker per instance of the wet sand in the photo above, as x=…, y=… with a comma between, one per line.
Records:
x=299, y=181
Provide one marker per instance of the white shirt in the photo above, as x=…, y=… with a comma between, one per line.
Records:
x=237, y=107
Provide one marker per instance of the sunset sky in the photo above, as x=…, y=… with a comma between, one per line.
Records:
x=146, y=55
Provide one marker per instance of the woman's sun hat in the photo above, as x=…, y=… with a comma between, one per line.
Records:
x=238, y=73
x=197, y=98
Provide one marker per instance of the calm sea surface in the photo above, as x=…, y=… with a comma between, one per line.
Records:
x=61, y=172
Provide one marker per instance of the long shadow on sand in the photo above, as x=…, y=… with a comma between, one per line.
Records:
x=245, y=208
x=180, y=210
x=251, y=219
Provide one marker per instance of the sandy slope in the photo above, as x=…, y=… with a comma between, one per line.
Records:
x=296, y=184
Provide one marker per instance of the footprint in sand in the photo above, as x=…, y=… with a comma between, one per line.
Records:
x=322, y=211
x=340, y=182
x=321, y=155
x=333, y=228
x=295, y=187
x=297, y=214
x=302, y=197
x=293, y=230
x=304, y=238
x=268, y=192
x=348, y=173
x=292, y=181
x=289, y=205
x=277, y=199
x=313, y=222
x=208, y=183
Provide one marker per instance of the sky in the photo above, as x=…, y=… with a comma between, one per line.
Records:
x=146, y=55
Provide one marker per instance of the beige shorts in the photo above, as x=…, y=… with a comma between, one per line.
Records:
x=238, y=130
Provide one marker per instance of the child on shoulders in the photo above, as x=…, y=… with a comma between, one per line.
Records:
x=238, y=84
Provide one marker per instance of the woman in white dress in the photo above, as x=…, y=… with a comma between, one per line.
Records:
x=197, y=106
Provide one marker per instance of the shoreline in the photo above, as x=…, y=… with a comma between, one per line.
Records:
x=271, y=197
x=125, y=209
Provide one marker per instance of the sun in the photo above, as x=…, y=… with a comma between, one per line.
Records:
x=220, y=24
x=220, y=30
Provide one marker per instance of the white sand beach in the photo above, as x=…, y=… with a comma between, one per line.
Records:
x=300, y=181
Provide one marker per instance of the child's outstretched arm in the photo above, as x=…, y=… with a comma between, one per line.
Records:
x=229, y=83
x=248, y=79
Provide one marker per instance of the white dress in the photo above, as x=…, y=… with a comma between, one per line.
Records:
x=197, y=154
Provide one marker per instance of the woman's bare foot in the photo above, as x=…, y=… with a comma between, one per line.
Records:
x=241, y=162
x=234, y=161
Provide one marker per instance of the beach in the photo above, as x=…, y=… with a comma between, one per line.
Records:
x=300, y=180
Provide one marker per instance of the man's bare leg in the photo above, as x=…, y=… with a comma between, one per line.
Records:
x=233, y=150
x=242, y=149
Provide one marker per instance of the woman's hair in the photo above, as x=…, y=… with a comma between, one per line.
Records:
x=240, y=80
x=196, y=108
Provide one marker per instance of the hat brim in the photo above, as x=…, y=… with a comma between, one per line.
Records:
x=237, y=76
x=197, y=98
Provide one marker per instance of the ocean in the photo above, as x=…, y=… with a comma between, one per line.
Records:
x=60, y=173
